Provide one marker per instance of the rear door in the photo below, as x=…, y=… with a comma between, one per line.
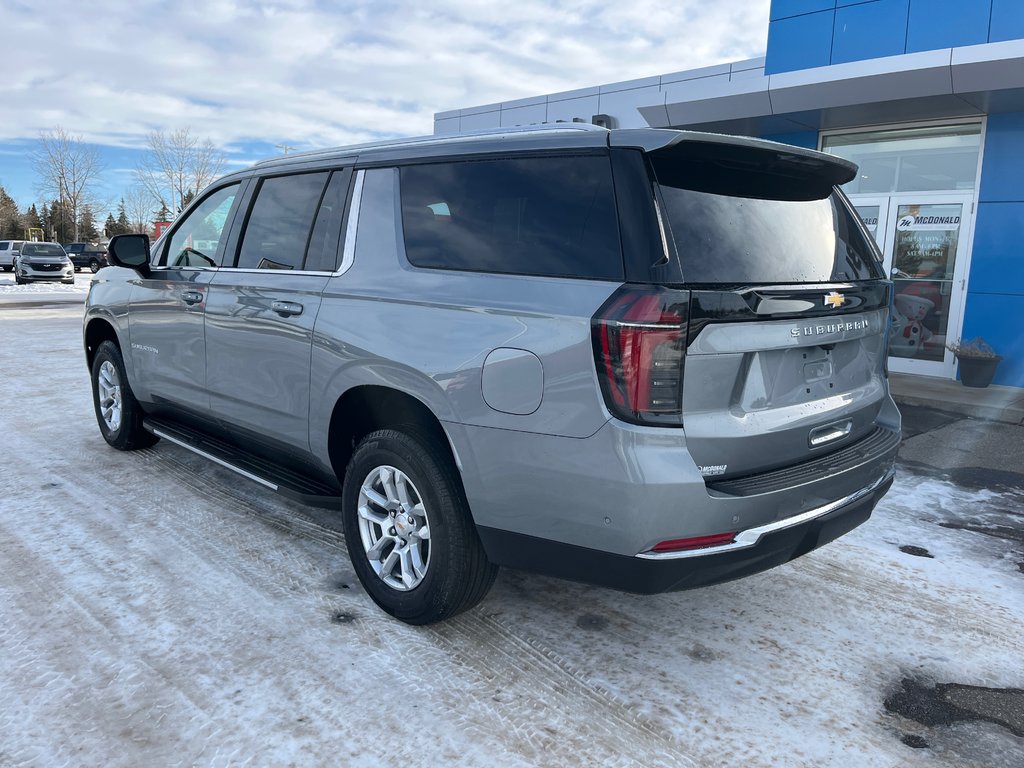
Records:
x=261, y=310
x=788, y=310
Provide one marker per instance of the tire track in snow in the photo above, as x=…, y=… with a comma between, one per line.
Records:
x=533, y=679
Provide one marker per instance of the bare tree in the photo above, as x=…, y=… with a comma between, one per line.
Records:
x=138, y=205
x=67, y=169
x=178, y=166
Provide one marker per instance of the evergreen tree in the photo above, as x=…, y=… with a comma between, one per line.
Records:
x=10, y=219
x=58, y=224
x=110, y=227
x=87, y=225
x=164, y=214
x=123, y=224
x=31, y=218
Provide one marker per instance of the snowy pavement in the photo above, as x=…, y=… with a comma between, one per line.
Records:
x=158, y=610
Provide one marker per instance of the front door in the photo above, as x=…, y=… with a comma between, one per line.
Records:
x=924, y=239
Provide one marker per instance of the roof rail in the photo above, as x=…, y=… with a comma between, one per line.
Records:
x=444, y=137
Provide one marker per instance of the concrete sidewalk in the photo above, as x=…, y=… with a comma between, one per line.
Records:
x=994, y=403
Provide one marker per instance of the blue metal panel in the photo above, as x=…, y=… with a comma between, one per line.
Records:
x=1007, y=20
x=783, y=9
x=870, y=30
x=947, y=24
x=800, y=42
x=997, y=262
x=1003, y=169
x=807, y=139
x=995, y=316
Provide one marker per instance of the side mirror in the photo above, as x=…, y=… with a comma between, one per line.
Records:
x=130, y=251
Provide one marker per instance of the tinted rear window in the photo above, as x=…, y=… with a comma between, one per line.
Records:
x=737, y=234
x=280, y=222
x=527, y=216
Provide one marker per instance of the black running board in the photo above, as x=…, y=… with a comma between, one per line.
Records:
x=284, y=481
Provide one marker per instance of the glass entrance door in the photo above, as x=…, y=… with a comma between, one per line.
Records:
x=924, y=238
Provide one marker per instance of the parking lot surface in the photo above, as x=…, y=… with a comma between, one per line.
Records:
x=159, y=610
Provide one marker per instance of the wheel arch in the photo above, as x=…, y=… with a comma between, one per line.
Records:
x=367, y=408
x=97, y=330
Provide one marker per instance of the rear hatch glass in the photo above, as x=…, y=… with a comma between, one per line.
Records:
x=748, y=220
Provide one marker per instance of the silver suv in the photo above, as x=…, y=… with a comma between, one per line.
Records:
x=644, y=359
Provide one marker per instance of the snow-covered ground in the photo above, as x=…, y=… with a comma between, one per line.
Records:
x=12, y=294
x=157, y=610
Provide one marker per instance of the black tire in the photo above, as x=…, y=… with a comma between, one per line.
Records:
x=94, y=265
x=458, y=574
x=8, y=269
x=129, y=434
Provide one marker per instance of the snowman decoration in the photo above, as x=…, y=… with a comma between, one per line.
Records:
x=908, y=332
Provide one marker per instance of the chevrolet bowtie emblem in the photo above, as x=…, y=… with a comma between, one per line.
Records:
x=834, y=300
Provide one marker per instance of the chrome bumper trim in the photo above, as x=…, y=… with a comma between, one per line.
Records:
x=752, y=536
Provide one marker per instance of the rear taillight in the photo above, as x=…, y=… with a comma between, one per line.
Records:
x=639, y=338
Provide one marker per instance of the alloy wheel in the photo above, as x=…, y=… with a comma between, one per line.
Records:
x=394, y=528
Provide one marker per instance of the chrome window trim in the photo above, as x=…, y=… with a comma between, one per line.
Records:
x=348, y=253
x=752, y=536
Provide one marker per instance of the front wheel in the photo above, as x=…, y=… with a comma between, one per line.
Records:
x=94, y=265
x=409, y=530
x=117, y=411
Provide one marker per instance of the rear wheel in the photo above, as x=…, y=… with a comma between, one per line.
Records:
x=94, y=265
x=117, y=411
x=409, y=531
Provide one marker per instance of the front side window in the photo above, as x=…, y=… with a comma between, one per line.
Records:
x=197, y=239
x=550, y=216
x=280, y=223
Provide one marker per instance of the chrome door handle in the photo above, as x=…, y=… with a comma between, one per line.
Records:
x=286, y=308
x=191, y=297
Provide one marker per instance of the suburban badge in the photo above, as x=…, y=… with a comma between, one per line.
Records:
x=834, y=300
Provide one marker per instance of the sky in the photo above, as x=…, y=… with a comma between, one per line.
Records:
x=312, y=74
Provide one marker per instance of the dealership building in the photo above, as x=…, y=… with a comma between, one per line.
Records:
x=926, y=96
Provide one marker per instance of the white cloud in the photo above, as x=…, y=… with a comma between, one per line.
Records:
x=316, y=74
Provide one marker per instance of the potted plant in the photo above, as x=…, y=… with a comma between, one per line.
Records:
x=978, y=361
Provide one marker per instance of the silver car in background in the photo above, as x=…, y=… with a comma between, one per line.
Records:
x=643, y=359
x=43, y=262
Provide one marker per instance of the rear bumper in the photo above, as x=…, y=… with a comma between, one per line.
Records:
x=648, y=573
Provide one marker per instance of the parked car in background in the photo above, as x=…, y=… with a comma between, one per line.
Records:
x=87, y=255
x=643, y=359
x=8, y=250
x=43, y=262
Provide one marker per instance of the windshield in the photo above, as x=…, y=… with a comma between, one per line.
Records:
x=745, y=227
x=41, y=249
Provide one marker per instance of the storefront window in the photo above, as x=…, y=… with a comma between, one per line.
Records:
x=910, y=160
x=922, y=272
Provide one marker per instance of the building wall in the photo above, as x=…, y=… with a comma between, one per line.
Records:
x=815, y=33
x=995, y=290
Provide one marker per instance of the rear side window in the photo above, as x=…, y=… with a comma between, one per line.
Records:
x=527, y=216
x=741, y=225
x=280, y=222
